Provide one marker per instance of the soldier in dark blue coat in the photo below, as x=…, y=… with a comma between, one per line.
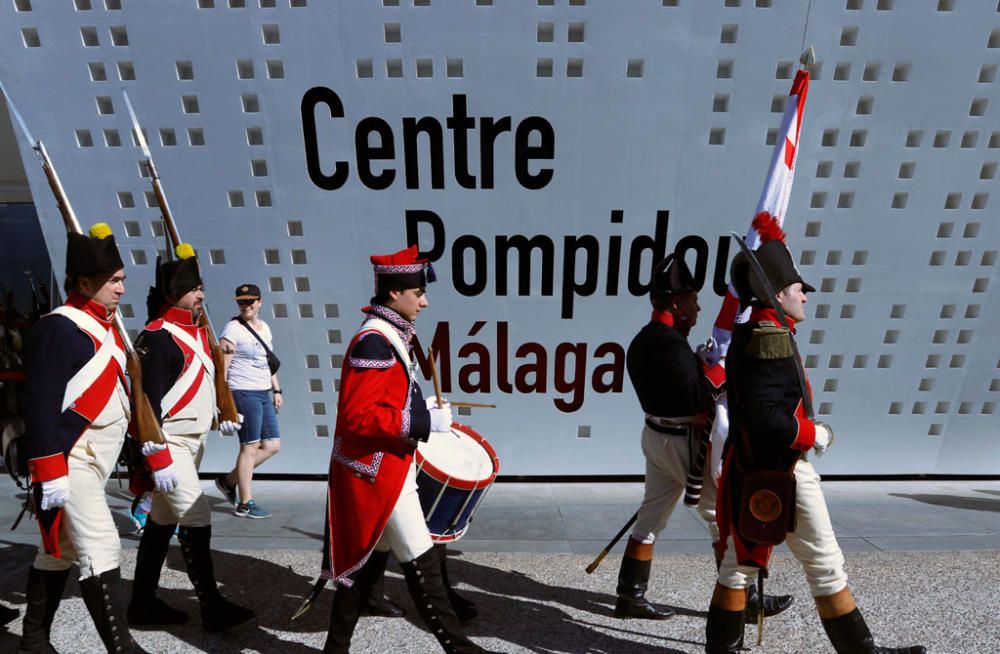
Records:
x=178, y=377
x=77, y=409
x=677, y=389
x=772, y=430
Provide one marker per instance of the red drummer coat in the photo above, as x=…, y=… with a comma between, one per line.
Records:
x=381, y=415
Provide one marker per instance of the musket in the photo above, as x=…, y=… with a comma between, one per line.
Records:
x=147, y=426
x=223, y=393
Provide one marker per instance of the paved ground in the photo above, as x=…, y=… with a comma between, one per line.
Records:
x=923, y=559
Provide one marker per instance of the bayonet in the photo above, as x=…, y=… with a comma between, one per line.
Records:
x=223, y=393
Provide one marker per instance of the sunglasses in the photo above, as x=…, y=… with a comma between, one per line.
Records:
x=244, y=303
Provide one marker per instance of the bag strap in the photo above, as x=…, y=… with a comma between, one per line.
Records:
x=255, y=335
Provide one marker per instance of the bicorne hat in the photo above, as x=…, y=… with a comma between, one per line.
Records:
x=776, y=260
x=672, y=276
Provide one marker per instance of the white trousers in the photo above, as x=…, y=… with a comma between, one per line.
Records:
x=185, y=505
x=406, y=532
x=813, y=542
x=667, y=461
x=87, y=534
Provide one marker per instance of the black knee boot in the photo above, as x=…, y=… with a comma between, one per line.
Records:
x=375, y=602
x=465, y=609
x=633, y=580
x=44, y=592
x=849, y=634
x=773, y=604
x=423, y=580
x=723, y=631
x=343, y=618
x=217, y=613
x=146, y=608
x=103, y=596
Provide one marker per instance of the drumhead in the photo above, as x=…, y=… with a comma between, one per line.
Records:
x=458, y=455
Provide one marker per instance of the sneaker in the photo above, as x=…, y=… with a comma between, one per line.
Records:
x=138, y=515
x=251, y=510
x=227, y=489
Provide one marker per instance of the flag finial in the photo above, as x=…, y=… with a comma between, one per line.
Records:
x=808, y=57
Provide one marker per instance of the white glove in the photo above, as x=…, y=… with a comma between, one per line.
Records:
x=708, y=352
x=824, y=438
x=229, y=427
x=55, y=493
x=720, y=432
x=164, y=479
x=441, y=418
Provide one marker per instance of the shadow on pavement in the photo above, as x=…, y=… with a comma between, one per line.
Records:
x=954, y=501
x=510, y=609
x=509, y=603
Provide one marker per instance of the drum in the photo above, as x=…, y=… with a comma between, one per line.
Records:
x=454, y=471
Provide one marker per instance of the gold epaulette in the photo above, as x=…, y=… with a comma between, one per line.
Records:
x=770, y=342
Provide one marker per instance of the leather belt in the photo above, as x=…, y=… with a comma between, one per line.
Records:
x=672, y=430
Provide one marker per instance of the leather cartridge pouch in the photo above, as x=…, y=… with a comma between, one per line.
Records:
x=767, y=511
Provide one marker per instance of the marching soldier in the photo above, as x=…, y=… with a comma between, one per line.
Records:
x=372, y=503
x=771, y=430
x=676, y=390
x=77, y=410
x=177, y=375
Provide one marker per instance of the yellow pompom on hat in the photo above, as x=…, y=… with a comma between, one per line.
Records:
x=100, y=230
x=184, y=251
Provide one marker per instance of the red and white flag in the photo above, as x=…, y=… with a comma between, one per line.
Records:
x=773, y=201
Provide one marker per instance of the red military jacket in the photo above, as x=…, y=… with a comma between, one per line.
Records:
x=380, y=417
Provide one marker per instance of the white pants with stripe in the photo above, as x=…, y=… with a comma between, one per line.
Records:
x=87, y=534
x=813, y=542
x=406, y=532
x=668, y=457
x=185, y=505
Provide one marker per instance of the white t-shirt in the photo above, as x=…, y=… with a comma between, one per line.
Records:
x=248, y=370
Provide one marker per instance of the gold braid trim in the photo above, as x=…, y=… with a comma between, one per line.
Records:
x=770, y=342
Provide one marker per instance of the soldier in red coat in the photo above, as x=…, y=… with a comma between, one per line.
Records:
x=372, y=502
x=77, y=409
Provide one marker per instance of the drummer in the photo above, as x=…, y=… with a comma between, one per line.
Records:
x=372, y=501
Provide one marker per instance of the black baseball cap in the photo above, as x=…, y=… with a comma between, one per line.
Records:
x=247, y=292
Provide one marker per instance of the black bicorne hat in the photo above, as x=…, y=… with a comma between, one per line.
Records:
x=671, y=276
x=776, y=260
x=92, y=255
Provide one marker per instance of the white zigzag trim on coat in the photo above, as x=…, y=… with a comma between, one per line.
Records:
x=353, y=464
x=376, y=364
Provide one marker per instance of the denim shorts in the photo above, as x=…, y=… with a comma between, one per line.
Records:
x=260, y=421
